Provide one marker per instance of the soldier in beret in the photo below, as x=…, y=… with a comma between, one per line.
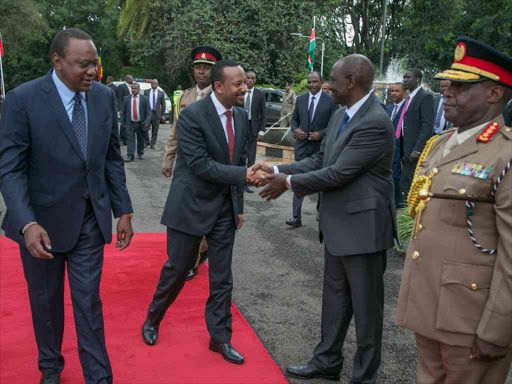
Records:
x=203, y=58
x=456, y=292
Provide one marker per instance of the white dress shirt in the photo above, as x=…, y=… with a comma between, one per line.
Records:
x=153, y=96
x=221, y=110
x=249, y=93
x=137, y=99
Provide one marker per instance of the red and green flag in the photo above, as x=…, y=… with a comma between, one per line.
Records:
x=311, y=50
x=100, y=68
x=1, y=47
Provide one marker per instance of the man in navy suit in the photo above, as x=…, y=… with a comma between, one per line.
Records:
x=62, y=176
x=312, y=113
x=394, y=112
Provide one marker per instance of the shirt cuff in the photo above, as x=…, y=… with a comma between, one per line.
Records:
x=289, y=181
x=276, y=170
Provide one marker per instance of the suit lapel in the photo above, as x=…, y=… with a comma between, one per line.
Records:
x=333, y=132
x=318, y=107
x=55, y=103
x=414, y=101
x=93, y=125
x=214, y=120
x=238, y=135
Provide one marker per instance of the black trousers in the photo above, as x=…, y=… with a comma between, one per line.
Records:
x=135, y=133
x=45, y=280
x=353, y=286
x=182, y=250
x=123, y=136
x=155, y=125
x=252, y=142
x=408, y=168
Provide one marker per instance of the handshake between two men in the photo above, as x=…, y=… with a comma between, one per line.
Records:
x=261, y=174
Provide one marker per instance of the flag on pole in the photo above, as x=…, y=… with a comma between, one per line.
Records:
x=1, y=46
x=311, y=50
x=100, y=68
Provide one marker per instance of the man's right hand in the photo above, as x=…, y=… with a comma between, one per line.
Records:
x=35, y=237
x=263, y=167
x=167, y=172
x=300, y=134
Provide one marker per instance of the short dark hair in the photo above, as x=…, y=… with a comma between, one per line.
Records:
x=217, y=72
x=61, y=40
x=134, y=84
x=317, y=74
x=110, y=78
x=400, y=83
x=416, y=72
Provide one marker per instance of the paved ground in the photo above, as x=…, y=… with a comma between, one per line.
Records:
x=278, y=275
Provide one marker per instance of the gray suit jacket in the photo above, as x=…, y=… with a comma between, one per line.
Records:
x=160, y=102
x=203, y=174
x=353, y=172
x=144, y=111
x=418, y=123
x=447, y=124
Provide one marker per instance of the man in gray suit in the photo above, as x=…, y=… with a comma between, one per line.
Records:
x=440, y=123
x=135, y=116
x=157, y=105
x=353, y=172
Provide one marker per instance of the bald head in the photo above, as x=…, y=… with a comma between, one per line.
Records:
x=351, y=79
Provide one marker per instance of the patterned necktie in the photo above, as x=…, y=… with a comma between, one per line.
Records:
x=135, y=116
x=344, y=123
x=78, y=122
x=311, y=109
x=154, y=100
x=248, y=103
x=395, y=110
x=231, y=135
x=401, y=120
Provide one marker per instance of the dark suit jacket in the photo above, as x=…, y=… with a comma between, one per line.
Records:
x=144, y=111
x=300, y=119
x=389, y=110
x=507, y=114
x=353, y=172
x=43, y=175
x=115, y=89
x=447, y=124
x=202, y=173
x=257, y=112
x=418, y=123
x=122, y=92
x=160, y=102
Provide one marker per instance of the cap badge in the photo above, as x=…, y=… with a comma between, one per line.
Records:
x=460, y=52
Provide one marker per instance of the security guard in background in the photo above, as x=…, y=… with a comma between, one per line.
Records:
x=203, y=58
x=176, y=97
x=456, y=292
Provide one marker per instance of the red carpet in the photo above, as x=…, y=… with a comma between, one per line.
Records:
x=129, y=279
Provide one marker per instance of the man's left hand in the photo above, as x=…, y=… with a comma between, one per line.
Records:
x=415, y=156
x=124, y=232
x=276, y=186
x=241, y=221
x=484, y=351
x=315, y=136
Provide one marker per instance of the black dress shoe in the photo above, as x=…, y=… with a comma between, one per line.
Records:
x=152, y=146
x=141, y=157
x=227, y=351
x=309, y=371
x=50, y=377
x=203, y=257
x=149, y=332
x=295, y=222
x=249, y=189
x=191, y=274
x=130, y=159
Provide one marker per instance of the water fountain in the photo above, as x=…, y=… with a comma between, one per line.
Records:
x=394, y=73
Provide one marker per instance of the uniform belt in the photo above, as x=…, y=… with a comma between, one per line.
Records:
x=460, y=197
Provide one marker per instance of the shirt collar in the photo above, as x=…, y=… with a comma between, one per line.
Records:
x=353, y=109
x=317, y=96
x=413, y=93
x=400, y=103
x=218, y=106
x=65, y=93
x=462, y=137
x=204, y=91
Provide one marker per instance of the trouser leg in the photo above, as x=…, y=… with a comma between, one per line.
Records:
x=182, y=250
x=123, y=134
x=297, y=205
x=406, y=176
x=85, y=264
x=45, y=281
x=130, y=132
x=220, y=253
x=141, y=138
x=155, y=126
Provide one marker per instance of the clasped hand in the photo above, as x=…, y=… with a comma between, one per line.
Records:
x=262, y=174
x=256, y=175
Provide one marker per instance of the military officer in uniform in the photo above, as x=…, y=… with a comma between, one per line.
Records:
x=456, y=292
x=203, y=58
x=288, y=106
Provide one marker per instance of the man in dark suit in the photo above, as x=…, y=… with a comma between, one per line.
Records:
x=206, y=199
x=440, y=123
x=157, y=105
x=353, y=172
x=114, y=88
x=394, y=112
x=416, y=125
x=507, y=114
x=254, y=105
x=136, y=117
x=62, y=176
x=124, y=90
x=312, y=113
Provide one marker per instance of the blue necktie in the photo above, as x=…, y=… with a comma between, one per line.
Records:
x=344, y=123
x=311, y=109
x=78, y=122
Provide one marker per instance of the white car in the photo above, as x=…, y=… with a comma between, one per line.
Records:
x=146, y=84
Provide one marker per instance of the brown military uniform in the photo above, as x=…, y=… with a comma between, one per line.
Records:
x=187, y=98
x=287, y=108
x=452, y=291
